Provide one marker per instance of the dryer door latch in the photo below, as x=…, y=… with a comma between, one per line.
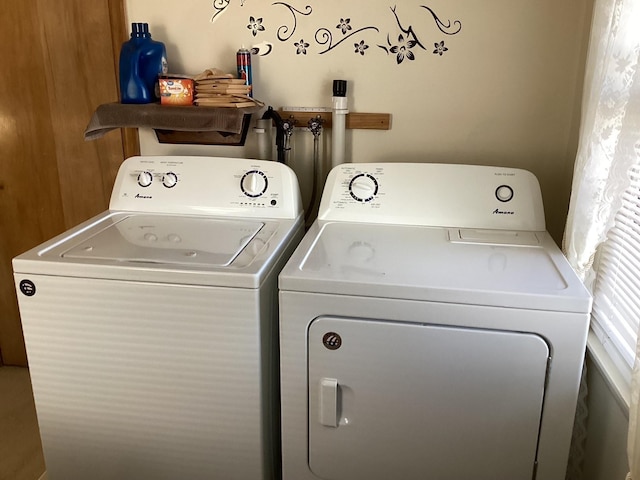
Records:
x=329, y=402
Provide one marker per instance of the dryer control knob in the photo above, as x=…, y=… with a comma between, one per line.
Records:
x=254, y=183
x=363, y=187
x=169, y=179
x=145, y=179
x=504, y=193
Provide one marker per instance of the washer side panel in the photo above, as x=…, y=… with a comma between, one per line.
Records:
x=135, y=380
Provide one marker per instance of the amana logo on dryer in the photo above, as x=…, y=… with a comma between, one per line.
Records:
x=497, y=211
x=143, y=196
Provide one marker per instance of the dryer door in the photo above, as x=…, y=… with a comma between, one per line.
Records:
x=415, y=401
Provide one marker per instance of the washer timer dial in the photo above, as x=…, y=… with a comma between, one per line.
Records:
x=254, y=183
x=363, y=187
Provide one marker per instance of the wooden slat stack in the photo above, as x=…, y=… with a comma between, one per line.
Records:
x=213, y=88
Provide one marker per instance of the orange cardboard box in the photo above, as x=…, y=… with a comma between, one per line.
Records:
x=176, y=91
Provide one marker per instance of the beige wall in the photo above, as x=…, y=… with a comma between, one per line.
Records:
x=506, y=92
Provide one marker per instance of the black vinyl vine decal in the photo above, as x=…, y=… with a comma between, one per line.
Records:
x=323, y=36
x=403, y=44
x=440, y=24
x=283, y=31
x=220, y=6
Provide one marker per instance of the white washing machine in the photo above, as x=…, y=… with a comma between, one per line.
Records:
x=430, y=328
x=151, y=329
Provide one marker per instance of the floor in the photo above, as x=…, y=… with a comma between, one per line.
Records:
x=20, y=449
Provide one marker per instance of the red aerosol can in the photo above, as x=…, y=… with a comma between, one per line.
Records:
x=243, y=60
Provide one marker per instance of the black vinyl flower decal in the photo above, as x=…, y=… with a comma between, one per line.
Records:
x=360, y=47
x=440, y=48
x=403, y=49
x=255, y=25
x=344, y=25
x=301, y=47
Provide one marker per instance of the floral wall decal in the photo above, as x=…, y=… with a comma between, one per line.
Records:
x=261, y=49
x=255, y=25
x=402, y=45
x=447, y=29
x=440, y=48
x=344, y=25
x=403, y=48
x=360, y=47
x=283, y=31
x=301, y=47
x=324, y=36
x=407, y=39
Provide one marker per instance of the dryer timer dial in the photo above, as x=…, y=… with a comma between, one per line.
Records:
x=504, y=193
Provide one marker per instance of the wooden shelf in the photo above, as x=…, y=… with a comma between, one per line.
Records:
x=366, y=121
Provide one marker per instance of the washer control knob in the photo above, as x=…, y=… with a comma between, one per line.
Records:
x=145, y=178
x=169, y=179
x=254, y=183
x=504, y=193
x=363, y=187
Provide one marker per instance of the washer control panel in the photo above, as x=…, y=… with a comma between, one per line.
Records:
x=207, y=186
x=445, y=195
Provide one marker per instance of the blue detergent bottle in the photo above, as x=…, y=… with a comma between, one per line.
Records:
x=142, y=60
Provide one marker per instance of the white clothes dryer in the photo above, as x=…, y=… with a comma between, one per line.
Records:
x=151, y=329
x=430, y=328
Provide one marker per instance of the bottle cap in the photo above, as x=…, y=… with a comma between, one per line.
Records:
x=140, y=29
x=339, y=88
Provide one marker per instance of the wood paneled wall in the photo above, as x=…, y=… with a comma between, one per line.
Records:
x=59, y=65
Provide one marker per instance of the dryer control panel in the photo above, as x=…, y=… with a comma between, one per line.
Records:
x=439, y=195
x=206, y=186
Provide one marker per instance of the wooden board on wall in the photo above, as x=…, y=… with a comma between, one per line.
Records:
x=59, y=57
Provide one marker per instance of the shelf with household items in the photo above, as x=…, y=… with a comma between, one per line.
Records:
x=211, y=108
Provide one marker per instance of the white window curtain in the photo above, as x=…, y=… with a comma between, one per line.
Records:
x=608, y=150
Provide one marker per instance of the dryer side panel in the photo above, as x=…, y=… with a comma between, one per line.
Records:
x=415, y=401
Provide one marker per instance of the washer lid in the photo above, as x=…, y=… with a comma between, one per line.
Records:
x=169, y=240
x=517, y=269
x=180, y=249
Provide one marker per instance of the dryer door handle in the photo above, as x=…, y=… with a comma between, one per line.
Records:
x=329, y=402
